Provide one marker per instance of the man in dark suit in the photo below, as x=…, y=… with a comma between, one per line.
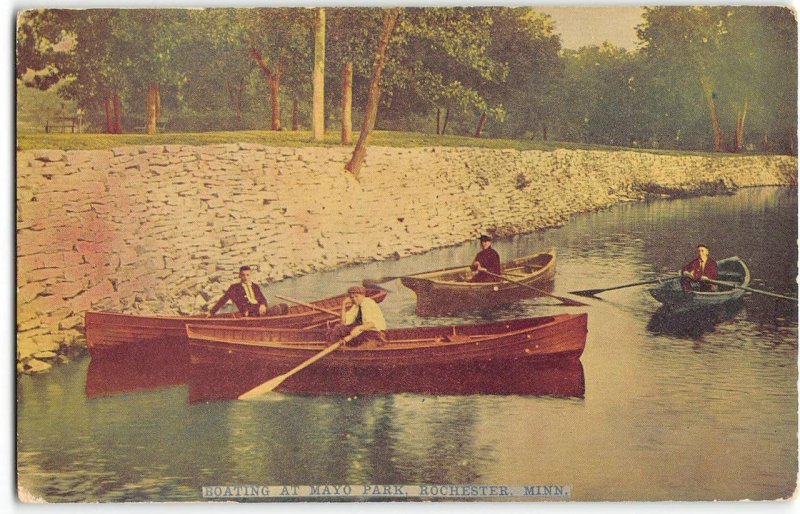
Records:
x=246, y=295
x=702, y=267
x=486, y=260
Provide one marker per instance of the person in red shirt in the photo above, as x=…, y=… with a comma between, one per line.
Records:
x=486, y=260
x=702, y=267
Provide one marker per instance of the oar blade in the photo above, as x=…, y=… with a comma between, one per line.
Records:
x=266, y=387
x=571, y=303
x=589, y=293
x=373, y=282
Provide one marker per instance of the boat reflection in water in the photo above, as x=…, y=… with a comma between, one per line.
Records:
x=561, y=378
x=134, y=370
x=695, y=322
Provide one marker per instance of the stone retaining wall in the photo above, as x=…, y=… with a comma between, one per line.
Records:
x=152, y=229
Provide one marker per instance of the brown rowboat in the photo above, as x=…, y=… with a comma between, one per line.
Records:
x=227, y=361
x=449, y=291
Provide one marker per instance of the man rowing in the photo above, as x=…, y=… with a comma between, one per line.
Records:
x=361, y=319
x=486, y=260
x=700, y=268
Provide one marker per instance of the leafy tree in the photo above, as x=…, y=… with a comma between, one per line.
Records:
x=730, y=57
x=280, y=42
x=524, y=42
x=350, y=46
x=598, y=96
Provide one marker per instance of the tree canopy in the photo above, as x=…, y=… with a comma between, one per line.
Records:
x=703, y=78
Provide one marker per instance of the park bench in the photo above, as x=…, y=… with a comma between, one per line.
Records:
x=63, y=123
x=161, y=126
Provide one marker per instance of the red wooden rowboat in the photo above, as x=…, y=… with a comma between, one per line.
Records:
x=227, y=361
x=110, y=335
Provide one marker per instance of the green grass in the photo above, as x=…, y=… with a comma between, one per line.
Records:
x=30, y=141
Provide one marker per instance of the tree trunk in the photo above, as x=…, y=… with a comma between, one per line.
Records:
x=109, y=116
x=318, y=108
x=371, y=111
x=446, y=119
x=738, y=142
x=719, y=140
x=117, y=115
x=438, y=121
x=275, y=95
x=481, y=123
x=766, y=142
x=153, y=108
x=544, y=131
x=347, y=103
x=274, y=78
x=295, y=114
x=239, y=97
x=235, y=99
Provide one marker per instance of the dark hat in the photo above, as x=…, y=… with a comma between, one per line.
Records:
x=485, y=238
x=244, y=268
x=701, y=245
x=357, y=290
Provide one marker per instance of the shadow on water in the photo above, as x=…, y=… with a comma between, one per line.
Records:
x=692, y=323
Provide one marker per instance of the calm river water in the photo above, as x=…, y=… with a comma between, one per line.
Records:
x=671, y=409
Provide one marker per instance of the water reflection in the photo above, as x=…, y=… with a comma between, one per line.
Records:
x=560, y=378
x=126, y=373
x=692, y=323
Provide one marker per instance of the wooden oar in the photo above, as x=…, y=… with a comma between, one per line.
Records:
x=564, y=300
x=309, y=305
x=271, y=384
x=592, y=292
x=373, y=282
x=759, y=291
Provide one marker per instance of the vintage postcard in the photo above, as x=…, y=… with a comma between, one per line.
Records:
x=406, y=254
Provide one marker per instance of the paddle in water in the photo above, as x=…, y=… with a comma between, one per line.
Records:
x=272, y=384
x=564, y=300
x=752, y=290
x=591, y=292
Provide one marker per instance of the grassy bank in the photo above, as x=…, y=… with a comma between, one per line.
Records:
x=299, y=139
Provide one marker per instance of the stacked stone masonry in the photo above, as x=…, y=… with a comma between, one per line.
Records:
x=153, y=229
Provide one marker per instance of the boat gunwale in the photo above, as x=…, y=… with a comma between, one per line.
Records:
x=392, y=345
x=302, y=310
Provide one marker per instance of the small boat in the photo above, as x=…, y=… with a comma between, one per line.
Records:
x=242, y=358
x=731, y=269
x=449, y=291
x=111, y=335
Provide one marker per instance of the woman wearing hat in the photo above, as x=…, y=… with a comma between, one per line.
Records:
x=486, y=260
x=362, y=319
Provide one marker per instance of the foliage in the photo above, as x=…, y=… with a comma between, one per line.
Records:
x=735, y=63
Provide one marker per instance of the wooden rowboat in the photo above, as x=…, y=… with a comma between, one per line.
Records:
x=111, y=334
x=732, y=269
x=449, y=291
x=241, y=358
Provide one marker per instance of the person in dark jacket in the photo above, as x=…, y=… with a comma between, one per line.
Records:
x=486, y=260
x=703, y=266
x=247, y=297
